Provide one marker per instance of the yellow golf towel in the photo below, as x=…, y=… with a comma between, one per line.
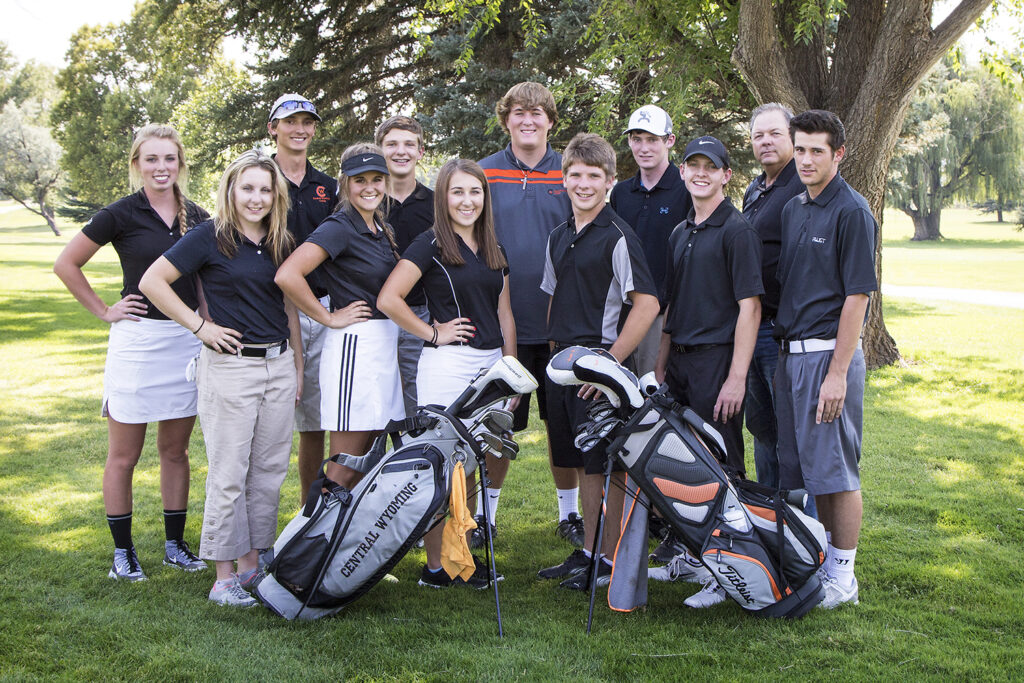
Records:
x=455, y=556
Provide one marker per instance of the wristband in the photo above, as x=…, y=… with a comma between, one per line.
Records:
x=200, y=326
x=434, y=340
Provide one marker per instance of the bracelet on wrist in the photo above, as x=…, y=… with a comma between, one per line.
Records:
x=434, y=340
x=200, y=326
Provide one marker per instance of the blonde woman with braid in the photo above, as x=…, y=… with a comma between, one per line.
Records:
x=144, y=380
x=249, y=376
x=360, y=385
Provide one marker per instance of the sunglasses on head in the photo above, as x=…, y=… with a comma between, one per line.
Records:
x=292, y=105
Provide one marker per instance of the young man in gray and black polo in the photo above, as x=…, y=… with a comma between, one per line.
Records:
x=827, y=273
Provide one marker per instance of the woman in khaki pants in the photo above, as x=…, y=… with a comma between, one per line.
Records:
x=248, y=376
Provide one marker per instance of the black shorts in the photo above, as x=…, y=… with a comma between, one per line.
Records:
x=566, y=411
x=534, y=358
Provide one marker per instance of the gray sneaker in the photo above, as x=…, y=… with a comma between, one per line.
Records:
x=836, y=595
x=230, y=592
x=126, y=565
x=178, y=554
x=683, y=566
x=709, y=595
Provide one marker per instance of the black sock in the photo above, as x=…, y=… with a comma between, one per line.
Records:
x=174, y=524
x=121, y=530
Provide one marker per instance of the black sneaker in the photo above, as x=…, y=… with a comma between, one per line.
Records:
x=477, y=538
x=571, y=529
x=576, y=561
x=482, y=573
x=440, y=579
x=580, y=581
x=668, y=549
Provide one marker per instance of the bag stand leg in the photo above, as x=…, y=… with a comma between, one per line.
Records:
x=489, y=547
x=595, y=556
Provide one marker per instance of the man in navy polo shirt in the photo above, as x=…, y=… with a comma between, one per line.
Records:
x=827, y=272
x=714, y=309
x=313, y=194
x=601, y=295
x=410, y=210
x=652, y=202
x=762, y=206
x=529, y=200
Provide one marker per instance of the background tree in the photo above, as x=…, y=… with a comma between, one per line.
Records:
x=961, y=139
x=29, y=160
x=120, y=77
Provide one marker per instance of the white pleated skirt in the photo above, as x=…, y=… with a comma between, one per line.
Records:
x=144, y=377
x=445, y=372
x=360, y=385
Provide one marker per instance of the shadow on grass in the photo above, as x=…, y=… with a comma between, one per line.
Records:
x=902, y=307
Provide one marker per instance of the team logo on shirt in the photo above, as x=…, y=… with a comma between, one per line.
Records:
x=321, y=193
x=818, y=240
x=663, y=210
x=556, y=191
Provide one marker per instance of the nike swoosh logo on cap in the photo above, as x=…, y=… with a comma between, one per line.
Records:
x=701, y=142
x=365, y=159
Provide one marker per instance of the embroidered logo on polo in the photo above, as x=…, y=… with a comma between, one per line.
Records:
x=321, y=194
x=663, y=210
x=818, y=240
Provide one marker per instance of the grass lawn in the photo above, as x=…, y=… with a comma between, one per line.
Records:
x=939, y=565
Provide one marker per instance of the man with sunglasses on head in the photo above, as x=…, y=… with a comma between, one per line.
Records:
x=292, y=125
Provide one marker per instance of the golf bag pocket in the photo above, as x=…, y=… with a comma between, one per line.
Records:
x=742, y=567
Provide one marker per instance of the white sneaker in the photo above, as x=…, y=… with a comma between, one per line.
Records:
x=230, y=592
x=836, y=595
x=709, y=595
x=683, y=566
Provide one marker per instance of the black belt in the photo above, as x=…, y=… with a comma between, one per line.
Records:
x=683, y=348
x=273, y=350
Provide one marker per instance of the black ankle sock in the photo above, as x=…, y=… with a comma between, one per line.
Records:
x=174, y=524
x=121, y=530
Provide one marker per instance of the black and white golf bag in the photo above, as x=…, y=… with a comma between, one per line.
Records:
x=343, y=542
x=760, y=546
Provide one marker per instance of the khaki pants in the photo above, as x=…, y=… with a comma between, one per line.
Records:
x=246, y=409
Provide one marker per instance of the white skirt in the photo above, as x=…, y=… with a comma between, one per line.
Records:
x=144, y=378
x=445, y=372
x=360, y=385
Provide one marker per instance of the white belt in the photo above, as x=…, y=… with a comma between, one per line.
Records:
x=810, y=345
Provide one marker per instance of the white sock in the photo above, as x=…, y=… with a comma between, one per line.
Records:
x=844, y=566
x=492, y=503
x=567, y=502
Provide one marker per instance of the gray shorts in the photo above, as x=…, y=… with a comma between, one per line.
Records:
x=307, y=412
x=409, y=349
x=823, y=458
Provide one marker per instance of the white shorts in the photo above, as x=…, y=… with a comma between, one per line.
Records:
x=445, y=372
x=144, y=377
x=360, y=386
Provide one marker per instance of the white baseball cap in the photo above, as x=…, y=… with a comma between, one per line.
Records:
x=292, y=103
x=651, y=119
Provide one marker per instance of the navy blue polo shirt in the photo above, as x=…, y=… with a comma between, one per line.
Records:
x=653, y=214
x=711, y=267
x=528, y=204
x=828, y=254
x=467, y=291
x=139, y=237
x=589, y=275
x=359, y=260
x=409, y=219
x=762, y=206
x=311, y=202
x=240, y=291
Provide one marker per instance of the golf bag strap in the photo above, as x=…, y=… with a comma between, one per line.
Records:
x=780, y=528
x=410, y=424
x=323, y=482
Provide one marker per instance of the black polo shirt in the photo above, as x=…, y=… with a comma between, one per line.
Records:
x=240, y=291
x=467, y=291
x=711, y=267
x=140, y=237
x=589, y=275
x=409, y=219
x=762, y=206
x=311, y=202
x=653, y=214
x=359, y=260
x=828, y=253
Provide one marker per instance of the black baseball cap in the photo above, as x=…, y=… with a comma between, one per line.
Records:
x=711, y=147
x=363, y=163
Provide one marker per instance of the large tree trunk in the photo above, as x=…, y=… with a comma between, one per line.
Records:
x=926, y=225
x=881, y=52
